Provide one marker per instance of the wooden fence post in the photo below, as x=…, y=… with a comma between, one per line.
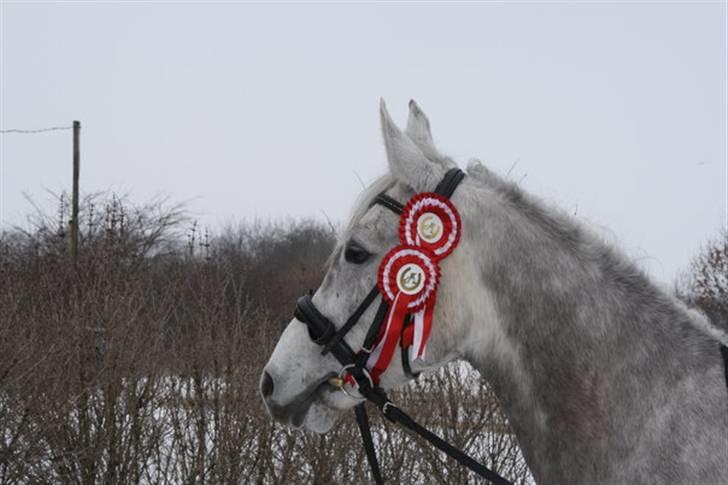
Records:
x=74, y=208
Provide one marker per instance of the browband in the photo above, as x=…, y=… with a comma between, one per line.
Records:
x=446, y=188
x=386, y=201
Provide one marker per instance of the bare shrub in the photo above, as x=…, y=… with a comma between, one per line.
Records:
x=141, y=363
x=705, y=284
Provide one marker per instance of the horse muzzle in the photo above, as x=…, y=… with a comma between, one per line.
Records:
x=293, y=410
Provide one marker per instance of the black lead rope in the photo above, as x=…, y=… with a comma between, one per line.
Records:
x=397, y=416
x=362, y=420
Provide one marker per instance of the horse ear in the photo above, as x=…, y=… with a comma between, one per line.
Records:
x=418, y=129
x=406, y=161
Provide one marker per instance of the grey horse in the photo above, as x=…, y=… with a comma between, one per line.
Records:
x=604, y=377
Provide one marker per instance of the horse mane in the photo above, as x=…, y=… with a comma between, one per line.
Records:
x=563, y=227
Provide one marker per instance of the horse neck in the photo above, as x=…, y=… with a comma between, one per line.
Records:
x=578, y=329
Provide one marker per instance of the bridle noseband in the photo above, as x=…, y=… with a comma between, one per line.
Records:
x=354, y=364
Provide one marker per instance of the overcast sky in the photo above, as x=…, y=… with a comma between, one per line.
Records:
x=614, y=111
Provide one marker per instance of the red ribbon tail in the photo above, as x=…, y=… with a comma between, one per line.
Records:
x=423, y=326
x=382, y=353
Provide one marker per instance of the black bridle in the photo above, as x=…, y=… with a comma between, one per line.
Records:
x=324, y=333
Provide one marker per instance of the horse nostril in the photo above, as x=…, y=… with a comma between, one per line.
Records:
x=266, y=384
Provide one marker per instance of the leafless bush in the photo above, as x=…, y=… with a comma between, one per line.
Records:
x=705, y=285
x=141, y=363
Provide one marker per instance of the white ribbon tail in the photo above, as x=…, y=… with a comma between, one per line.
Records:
x=418, y=346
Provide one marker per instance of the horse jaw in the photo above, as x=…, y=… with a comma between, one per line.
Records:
x=320, y=418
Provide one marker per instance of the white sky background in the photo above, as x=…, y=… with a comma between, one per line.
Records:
x=268, y=111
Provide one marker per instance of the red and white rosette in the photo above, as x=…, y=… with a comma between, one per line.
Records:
x=408, y=279
x=429, y=231
x=411, y=271
x=430, y=221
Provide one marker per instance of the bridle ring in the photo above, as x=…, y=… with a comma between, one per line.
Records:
x=343, y=387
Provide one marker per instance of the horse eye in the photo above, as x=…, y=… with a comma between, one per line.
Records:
x=355, y=253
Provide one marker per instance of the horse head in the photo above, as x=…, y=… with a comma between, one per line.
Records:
x=296, y=382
